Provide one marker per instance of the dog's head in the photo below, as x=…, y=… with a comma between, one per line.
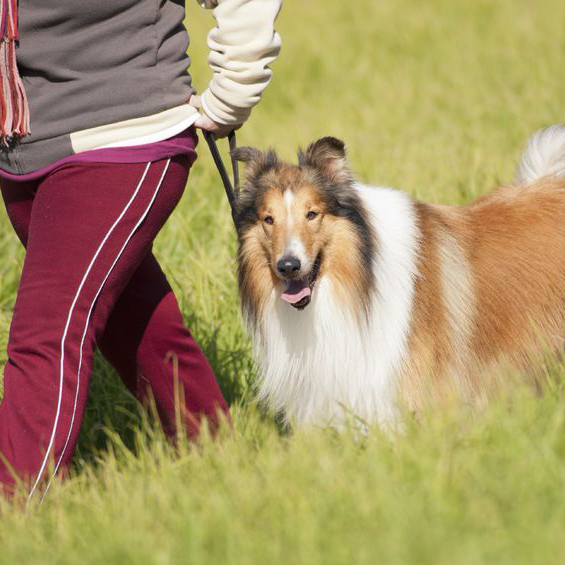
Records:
x=297, y=223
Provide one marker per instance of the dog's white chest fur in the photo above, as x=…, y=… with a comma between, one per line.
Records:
x=319, y=366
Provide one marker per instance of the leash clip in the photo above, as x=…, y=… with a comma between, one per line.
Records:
x=232, y=191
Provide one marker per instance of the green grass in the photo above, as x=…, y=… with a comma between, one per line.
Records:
x=437, y=98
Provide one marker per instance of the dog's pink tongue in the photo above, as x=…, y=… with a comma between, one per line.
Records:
x=295, y=291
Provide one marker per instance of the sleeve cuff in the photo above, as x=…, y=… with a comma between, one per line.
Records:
x=221, y=112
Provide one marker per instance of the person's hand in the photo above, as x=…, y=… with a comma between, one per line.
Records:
x=206, y=123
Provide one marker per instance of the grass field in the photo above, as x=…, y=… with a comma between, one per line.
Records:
x=437, y=98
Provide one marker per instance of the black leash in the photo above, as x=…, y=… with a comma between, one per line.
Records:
x=232, y=191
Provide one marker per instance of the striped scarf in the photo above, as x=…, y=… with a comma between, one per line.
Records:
x=14, y=110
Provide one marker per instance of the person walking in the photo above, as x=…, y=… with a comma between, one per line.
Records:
x=98, y=134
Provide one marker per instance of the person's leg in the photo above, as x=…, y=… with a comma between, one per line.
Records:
x=90, y=227
x=145, y=337
x=18, y=200
x=147, y=342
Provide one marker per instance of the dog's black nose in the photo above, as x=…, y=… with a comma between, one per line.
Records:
x=288, y=265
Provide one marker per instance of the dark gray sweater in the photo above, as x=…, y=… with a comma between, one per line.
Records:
x=99, y=72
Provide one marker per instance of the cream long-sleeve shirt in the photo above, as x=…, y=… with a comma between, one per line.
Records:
x=242, y=45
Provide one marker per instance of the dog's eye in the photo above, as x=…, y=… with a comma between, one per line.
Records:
x=269, y=220
x=311, y=215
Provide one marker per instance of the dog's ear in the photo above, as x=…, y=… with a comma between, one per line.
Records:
x=328, y=156
x=257, y=162
x=246, y=154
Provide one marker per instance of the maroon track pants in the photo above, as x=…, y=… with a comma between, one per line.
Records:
x=89, y=277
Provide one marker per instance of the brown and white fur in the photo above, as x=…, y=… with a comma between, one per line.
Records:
x=361, y=300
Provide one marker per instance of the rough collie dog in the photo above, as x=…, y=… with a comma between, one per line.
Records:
x=360, y=299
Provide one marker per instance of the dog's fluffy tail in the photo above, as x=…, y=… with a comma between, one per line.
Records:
x=544, y=155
